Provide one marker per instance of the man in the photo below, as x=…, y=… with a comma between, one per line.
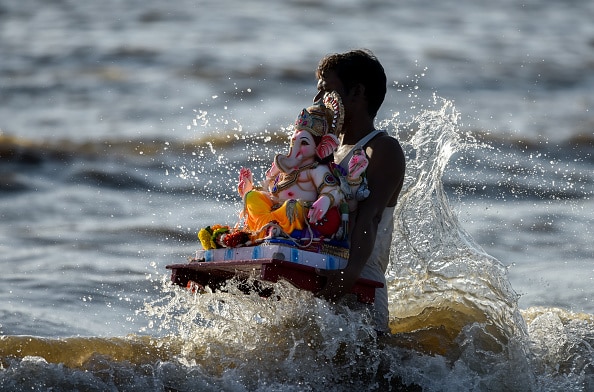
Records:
x=359, y=78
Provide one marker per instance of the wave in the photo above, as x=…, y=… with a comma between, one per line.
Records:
x=173, y=167
x=495, y=167
x=229, y=341
x=21, y=150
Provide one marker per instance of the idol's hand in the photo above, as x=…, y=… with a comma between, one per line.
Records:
x=272, y=172
x=357, y=164
x=319, y=209
x=246, y=182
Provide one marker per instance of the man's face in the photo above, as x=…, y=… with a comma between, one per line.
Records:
x=328, y=82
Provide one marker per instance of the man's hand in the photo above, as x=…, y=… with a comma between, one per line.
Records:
x=338, y=284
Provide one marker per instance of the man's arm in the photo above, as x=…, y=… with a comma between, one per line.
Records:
x=385, y=174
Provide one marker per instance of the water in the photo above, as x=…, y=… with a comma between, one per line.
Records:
x=123, y=127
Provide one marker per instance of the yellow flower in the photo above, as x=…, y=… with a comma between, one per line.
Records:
x=205, y=237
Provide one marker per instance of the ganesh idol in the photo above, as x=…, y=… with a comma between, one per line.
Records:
x=300, y=195
x=304, y=194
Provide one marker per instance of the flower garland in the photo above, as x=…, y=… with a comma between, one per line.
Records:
x=220, y=236
x=208, y=236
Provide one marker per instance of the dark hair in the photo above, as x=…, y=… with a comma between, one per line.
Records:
x=358, y=66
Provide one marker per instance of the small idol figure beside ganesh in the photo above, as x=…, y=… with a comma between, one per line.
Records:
x=302, y=193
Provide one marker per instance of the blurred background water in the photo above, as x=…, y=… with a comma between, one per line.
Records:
x=123, y=124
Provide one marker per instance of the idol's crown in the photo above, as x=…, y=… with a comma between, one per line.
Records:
x=324, y=116
x=314, y=119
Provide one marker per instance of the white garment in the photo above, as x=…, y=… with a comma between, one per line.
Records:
x=344, y=153
x=377, y=264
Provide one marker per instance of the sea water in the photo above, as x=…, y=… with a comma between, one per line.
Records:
x=123, y=127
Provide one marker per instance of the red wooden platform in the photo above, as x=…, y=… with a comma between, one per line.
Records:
x=215, y=273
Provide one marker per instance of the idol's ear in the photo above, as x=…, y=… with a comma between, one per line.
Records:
x=327, y=146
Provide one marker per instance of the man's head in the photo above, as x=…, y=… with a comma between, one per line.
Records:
x=358, y=68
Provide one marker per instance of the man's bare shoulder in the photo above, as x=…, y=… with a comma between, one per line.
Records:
x=386, y=148
x=385, y=172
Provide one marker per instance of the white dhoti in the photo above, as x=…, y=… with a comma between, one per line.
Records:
x=376, y=266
